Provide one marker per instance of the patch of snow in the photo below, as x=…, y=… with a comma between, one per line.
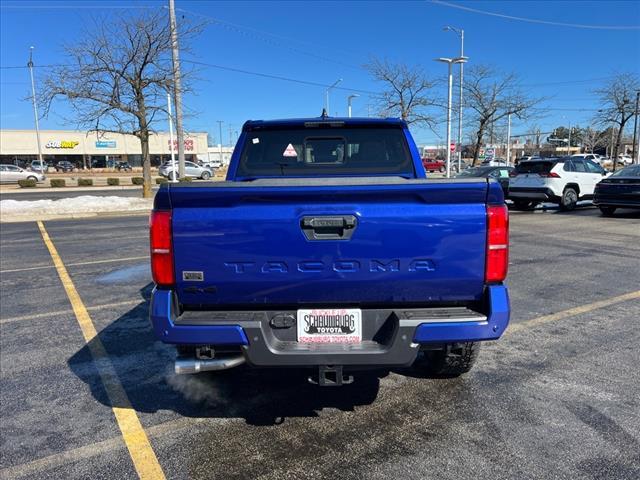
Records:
x=74, y=205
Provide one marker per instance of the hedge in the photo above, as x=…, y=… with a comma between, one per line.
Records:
x=85, y=182
x=161, y=180
x=185, y=179
x=58, y=182
x=27, y=183
x=113, y=181
x=137, y=180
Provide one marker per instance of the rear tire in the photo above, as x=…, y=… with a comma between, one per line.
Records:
x=454, y=360
x=205, y=176
x=569, y=199
x=607, y=211
x=441, y=169
x=31, y=177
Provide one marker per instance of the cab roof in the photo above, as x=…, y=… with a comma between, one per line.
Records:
x=324, y=121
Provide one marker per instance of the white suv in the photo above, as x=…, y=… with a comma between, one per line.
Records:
x=564, y=181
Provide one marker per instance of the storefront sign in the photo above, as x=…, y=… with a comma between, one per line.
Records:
x=105, y=144
x=62, y=144
x=188, y=145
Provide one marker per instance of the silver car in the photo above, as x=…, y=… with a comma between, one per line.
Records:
x=11, y=173
x=190, y=170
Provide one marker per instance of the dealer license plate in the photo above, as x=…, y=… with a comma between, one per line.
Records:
x=330, y=325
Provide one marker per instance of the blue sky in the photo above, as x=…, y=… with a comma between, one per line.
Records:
x=323, y=41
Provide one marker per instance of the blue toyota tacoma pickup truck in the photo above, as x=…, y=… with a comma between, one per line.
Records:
x=328, y=248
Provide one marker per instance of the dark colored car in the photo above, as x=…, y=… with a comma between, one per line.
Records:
x=620, y=190
x=500, y=173
x=123, y=167
x=64, y=166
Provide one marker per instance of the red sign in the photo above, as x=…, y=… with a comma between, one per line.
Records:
x=188, y=145
x=452, y=147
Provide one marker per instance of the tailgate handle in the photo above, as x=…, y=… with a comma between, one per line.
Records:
x=328, y=228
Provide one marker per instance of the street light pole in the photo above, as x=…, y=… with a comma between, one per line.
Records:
x=449, y=62
x=35, y=109
x=349, y=98
x=460, y=33
x=569, y=141
x=326, y=95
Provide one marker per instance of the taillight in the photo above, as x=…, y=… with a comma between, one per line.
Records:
x=513, y=173
x=497, y=243
x=161, y=248
x=549, y=175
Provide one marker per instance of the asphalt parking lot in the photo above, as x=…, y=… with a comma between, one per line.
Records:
x=557, y=397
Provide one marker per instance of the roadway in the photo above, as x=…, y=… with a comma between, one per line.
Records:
x=557, y=397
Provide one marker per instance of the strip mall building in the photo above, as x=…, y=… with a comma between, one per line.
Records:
x=91, y=150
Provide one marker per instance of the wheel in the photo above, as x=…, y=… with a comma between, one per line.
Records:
x=441, y=169
x=31, y=177
x=205, y=176
x=452, y=361
x=569, y=199
x=522, y=204
x=607, y=211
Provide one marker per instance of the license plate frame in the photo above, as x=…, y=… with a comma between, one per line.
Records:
x=329, y=326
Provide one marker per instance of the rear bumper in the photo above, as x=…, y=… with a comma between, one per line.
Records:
x=390, y=337
x=540, y=194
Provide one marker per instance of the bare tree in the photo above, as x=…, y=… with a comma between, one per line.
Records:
x=617, y=105
x=406, y=94
x=118, y=76
x=491, y=97
x=592, y=138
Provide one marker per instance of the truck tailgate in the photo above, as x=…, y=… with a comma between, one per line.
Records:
x=329, y=241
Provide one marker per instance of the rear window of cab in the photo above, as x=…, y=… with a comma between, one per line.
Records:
x=325, y=151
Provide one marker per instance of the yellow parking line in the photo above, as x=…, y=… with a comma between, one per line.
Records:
x=144, y=458
x=78, y=264
x=571, y=312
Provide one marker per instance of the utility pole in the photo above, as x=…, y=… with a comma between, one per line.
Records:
x=35, y=109
x=569, y=141
x=177, y=86
x=230, y=135
x=220, y=122
x=173, y=177
x=635, y=133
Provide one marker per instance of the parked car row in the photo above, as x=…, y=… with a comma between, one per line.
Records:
x=565, y=181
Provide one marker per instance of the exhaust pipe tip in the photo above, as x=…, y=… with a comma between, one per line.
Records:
x=187, y=366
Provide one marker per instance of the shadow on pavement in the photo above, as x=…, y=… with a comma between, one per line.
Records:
x=261, y=396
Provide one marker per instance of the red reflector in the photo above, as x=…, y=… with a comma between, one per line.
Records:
x=161, y=247
x=549, y=175
x=497, y=243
